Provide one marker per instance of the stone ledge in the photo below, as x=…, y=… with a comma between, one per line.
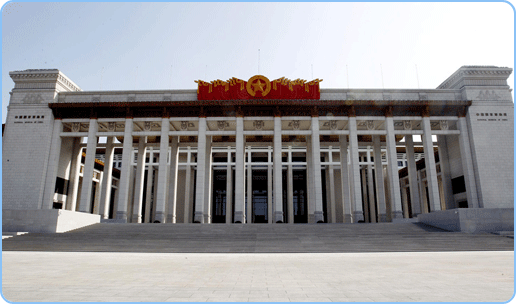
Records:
x=471, y=220
x=46, y=220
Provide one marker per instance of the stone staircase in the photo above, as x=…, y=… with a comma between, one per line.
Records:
x=259, y=238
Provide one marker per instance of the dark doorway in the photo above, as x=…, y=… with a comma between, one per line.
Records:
x=300, y=199
x=260, y=207
x=219, y=196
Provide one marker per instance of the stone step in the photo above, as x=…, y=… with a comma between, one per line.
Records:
x=380, y=237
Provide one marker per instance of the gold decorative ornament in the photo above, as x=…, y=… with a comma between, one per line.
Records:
x=258, y=83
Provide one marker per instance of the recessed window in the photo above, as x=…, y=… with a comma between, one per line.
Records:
x=42, y=117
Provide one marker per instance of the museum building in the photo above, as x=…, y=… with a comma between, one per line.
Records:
x=258, y=151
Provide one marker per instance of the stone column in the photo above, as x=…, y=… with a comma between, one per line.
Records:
x=139, y=179
x=370, y=187
x=412, y=176
x=404, y=202
x=467, y=164
x=365, y=198
x=344, y=177
x=277, y=163
x=208, y=183
x=431, y=173
x=163, y=172
x=310, y=181
x=123, y=188
x=148, y=194
x=71, y=200
x=201, y=171
x=422, y=194
x=316, y=163
x=332, y=218
x=188, y=186
x=392, y=170
x=378, y=170
x=229, y=190
x=445, y=171
x=172, y=180
x=107, y=179
x=52, y=166
x=249, y=209
x=239, y=171
x=89, y=163
x=270, y=219
x=356, y=191
x=290, y=190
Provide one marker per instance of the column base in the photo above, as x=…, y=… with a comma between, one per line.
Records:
x=396, y=214
x=347, y=218
x=319, y=217
x=311, y=218
x=239, y=217
x=358, y=217
x=121, y=215
x=278, y=217
x=207, y=218
x=198, y=217
x=171, y=219
x=136, y=219
x=159, y=218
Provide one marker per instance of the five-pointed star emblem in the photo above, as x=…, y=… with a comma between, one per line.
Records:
x=258, y=86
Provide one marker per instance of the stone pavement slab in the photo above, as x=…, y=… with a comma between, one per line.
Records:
x=250, y=277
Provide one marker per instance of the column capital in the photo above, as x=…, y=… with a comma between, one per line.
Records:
x=239, y=112
x=201, y=113
x=461, y=112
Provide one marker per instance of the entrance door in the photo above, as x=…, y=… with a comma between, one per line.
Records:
x=300, y=199
x=260, y=196
x=219, y=196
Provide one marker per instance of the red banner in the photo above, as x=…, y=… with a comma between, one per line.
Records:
x=258, y=87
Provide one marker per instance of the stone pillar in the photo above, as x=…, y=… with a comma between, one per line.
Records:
x=404, y=202
x=172, y=180
x=139, y=179
x=316, y=163
x=71, y=200
x=201, y=171
x=422, y=194
x=445, y=172
x=344, y=177
x=331, y=174
x=239, y=172
x=249, y=208
x=412, y=176
x=365, y=198
x=229, y=190
x=290, y=190
x=107, y=179
x=270, y=219
x=52, y=166
x=431, y=173
x=467, y=164
x=392, y=170
x=148, y=194
x=89, y=163
x=277, y=163
x=356, y=191
x=188, y=188
x=370, y=187
x=208, y=173
x=163, y=172
x=310, y=180
x=378, y=170
x=123, y=188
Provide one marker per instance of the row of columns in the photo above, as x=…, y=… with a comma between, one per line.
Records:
x=166, y=193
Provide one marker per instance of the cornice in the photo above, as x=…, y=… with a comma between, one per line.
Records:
x=475, y=71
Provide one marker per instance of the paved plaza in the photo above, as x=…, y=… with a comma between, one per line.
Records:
x=251, y=277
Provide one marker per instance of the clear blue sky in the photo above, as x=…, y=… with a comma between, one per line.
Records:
x=125, y=46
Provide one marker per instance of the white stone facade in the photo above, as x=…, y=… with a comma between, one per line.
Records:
x=262, y=162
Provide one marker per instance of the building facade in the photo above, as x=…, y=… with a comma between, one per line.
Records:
x=340, y=156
